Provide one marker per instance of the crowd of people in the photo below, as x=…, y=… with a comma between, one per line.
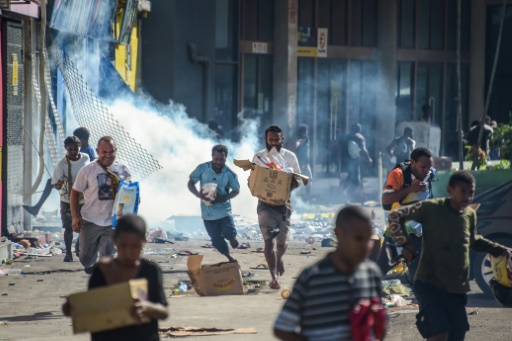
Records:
x=333, y=298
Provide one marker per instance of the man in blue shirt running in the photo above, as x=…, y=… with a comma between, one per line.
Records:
x=216, y=210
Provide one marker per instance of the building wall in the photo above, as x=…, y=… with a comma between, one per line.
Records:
x=171, y=39
x=385, y=60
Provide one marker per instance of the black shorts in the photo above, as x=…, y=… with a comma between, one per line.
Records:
x=440, y=312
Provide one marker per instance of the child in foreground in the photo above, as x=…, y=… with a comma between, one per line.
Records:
x=442, y=279
x=129, y=239
x=326, y=301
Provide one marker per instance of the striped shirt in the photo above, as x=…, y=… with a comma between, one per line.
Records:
x=318, y=307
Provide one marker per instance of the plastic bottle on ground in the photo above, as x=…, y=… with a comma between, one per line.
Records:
x=11, y=272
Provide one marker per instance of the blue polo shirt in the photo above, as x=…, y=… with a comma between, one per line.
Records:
x=226, y=180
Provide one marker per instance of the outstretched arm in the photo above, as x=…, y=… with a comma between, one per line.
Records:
x=396, y=227
x=478, y=243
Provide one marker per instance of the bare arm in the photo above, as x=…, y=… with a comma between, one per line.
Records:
x=58, y=185
x=287, y=336
x=224, y=198
x=364, y=151
x=74, y=201
x=396, y=227
x=155, y=311
x=192, y=188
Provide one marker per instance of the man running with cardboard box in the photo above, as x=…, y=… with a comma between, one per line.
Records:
x=274, y=221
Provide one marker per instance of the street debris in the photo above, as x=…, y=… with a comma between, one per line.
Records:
x=194, y=331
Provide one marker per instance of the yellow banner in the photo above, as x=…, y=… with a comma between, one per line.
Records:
x=307, y=51
x=15, y=68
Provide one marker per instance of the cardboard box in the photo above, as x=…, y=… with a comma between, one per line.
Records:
x=215, y=279
x=269, y=185
x=106, y=308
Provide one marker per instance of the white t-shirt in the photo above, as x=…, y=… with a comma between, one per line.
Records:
x=288, y=156
x=96, y=186
x=61, y=172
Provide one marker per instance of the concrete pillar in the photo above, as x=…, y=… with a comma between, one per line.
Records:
x=29, y=41
x=477, y=56
x=285, y=66
x=386, y=81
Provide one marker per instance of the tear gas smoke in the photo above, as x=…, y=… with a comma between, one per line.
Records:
x=180, y=144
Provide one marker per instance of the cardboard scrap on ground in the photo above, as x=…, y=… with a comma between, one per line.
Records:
x=193, y=331
x=215, y=279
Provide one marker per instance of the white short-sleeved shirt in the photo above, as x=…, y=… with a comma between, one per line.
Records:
x=288, y=156
x=96, y=186
x=61, y=172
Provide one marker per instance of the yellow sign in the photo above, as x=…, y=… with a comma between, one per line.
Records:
x=307, y=51
x=15, y=68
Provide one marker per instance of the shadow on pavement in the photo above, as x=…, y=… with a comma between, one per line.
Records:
x=45, y=315
x=480, y=300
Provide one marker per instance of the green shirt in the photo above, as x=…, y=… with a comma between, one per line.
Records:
x=448, y=236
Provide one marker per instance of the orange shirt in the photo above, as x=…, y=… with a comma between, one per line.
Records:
x=395, y=183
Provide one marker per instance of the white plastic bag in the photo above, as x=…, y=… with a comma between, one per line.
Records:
x=127, y=200
x=399, y=301
x=210, y=191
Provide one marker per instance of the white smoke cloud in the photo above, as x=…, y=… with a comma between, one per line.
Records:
x=180, y=144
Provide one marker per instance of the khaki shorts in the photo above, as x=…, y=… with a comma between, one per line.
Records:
x=274, y=222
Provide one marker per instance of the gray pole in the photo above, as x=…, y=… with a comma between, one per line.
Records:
x=459, y=92
x=491, y=81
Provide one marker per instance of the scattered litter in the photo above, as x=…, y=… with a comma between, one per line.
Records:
x=181, y=287
x=474, y=312
x=193, y=331
x=162, y=241
x=305, y=252
x=187, y=253
x=398, y=312
x=399, y=301
x=3, y=324
x=258, y=250
x=395, y=287
x=253, y=287
x=329, y=242
x=11, y=272
x=246, y=274
x=285, y=293
x=207, y=246
x=260, y=267
x=40, y=280
x=244, y=246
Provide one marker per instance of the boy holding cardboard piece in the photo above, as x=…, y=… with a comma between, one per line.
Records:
x=149, y=304
x=274, y=221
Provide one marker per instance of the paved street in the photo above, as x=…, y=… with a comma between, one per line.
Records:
x=30, y=304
